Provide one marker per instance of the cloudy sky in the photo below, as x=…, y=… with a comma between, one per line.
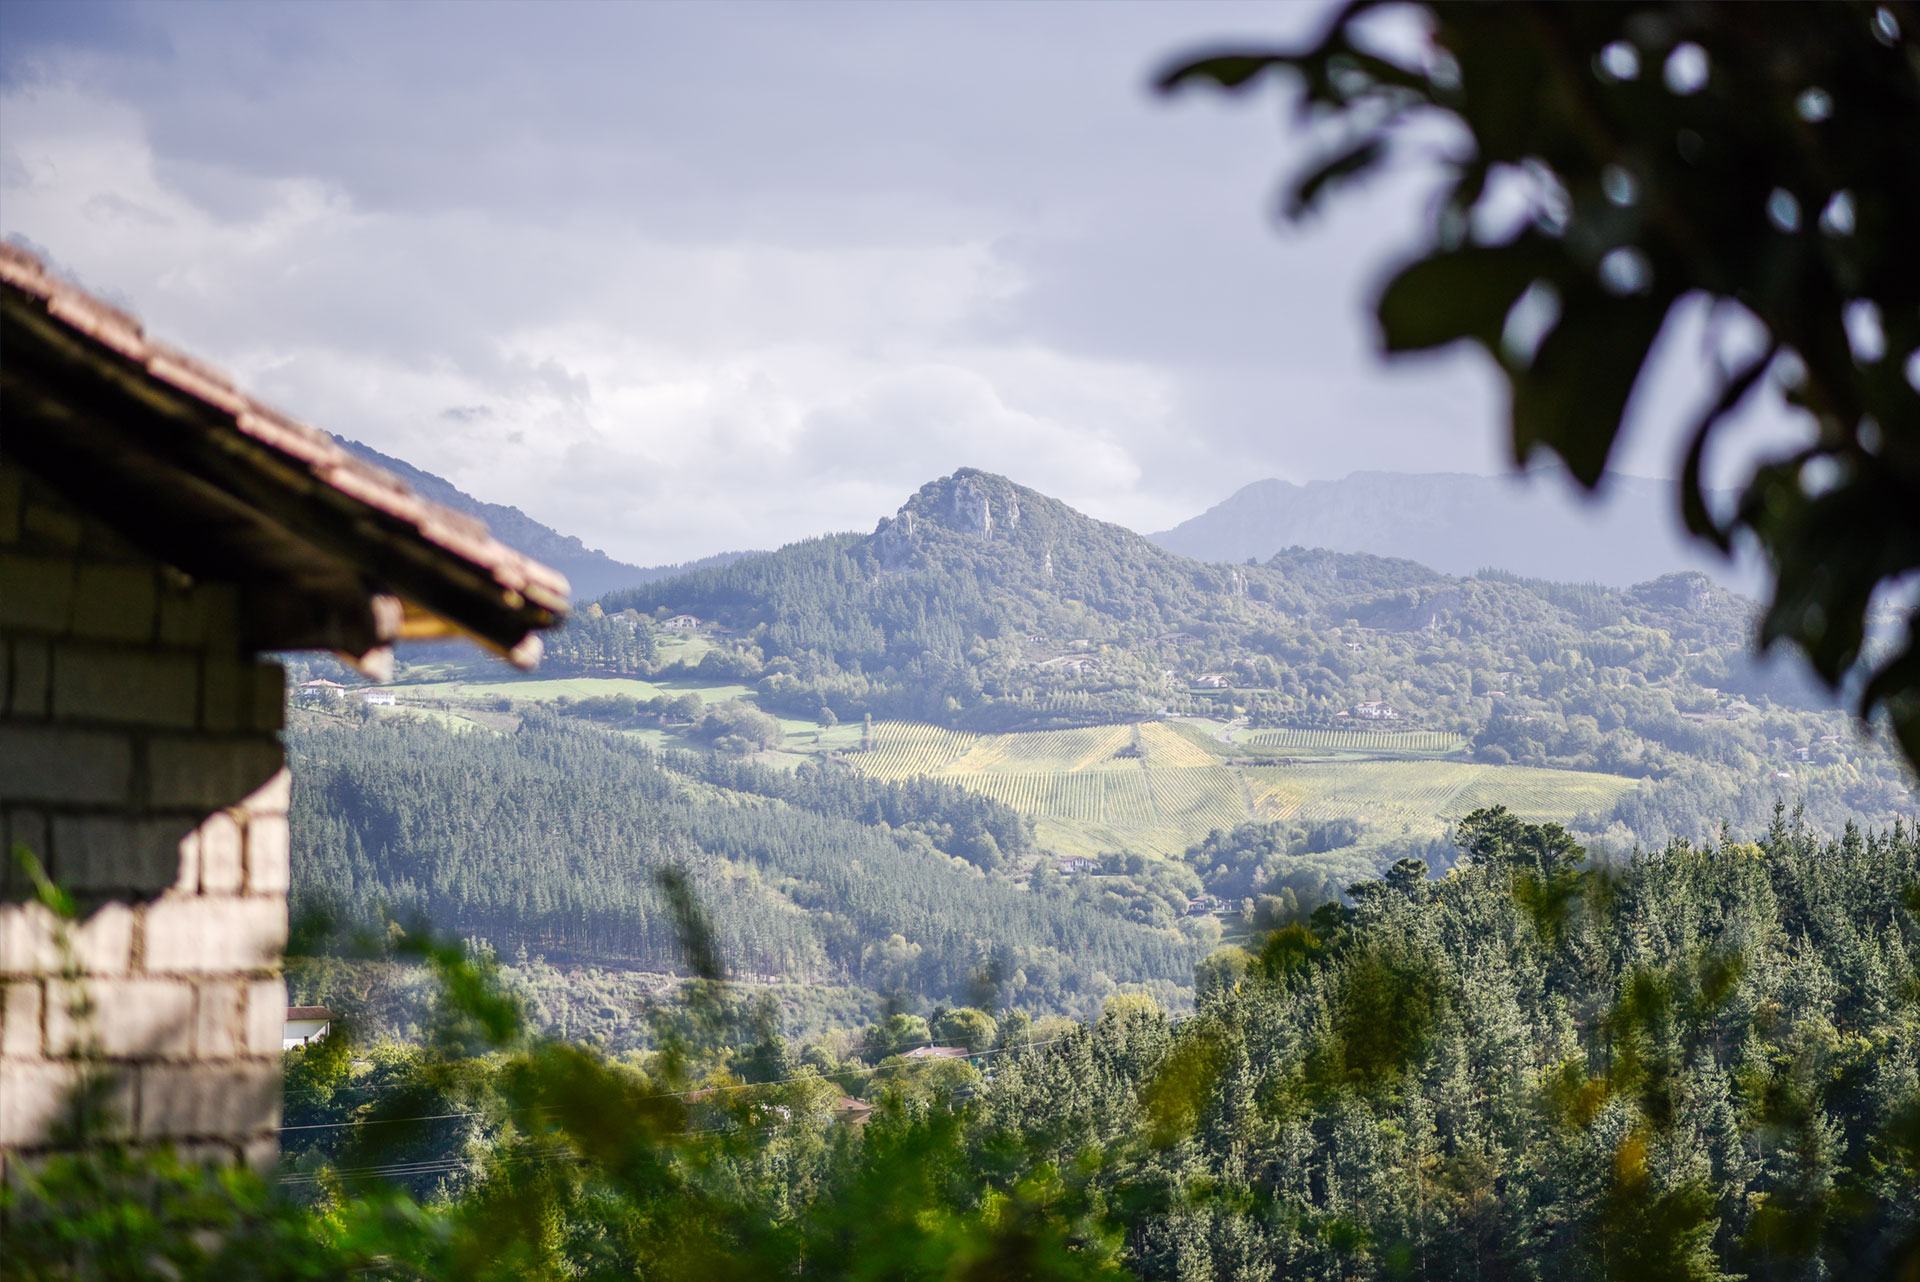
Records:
x=678, y=278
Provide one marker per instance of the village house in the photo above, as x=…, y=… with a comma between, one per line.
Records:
x=305, y=1025
x=1071, y=864
x=938, y=1052
x=379, y=698
x=159, y=532
x=682, y=623
x=320, y=690
x=1376, y=711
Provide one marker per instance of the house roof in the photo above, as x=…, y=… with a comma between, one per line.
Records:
x=330, y=551
x=937, y=1052
x=309, y=1012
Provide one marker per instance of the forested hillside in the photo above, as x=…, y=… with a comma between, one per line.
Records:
x=985, y=606
x=545, y=841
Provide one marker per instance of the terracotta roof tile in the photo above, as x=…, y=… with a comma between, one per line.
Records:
x=307, y=450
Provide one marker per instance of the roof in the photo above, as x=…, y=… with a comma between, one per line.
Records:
x=938, y=1052
x=330, y=551
x=308, y=1012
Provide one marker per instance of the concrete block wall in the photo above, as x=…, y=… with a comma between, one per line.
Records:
x=140, y=762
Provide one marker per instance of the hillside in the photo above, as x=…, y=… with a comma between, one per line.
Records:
x=1459, y=524
x=591, y=572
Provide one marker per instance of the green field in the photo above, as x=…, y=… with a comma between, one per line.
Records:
x=1157, y=785
x=1420, y=793
x=1383, y=742
x=1090, y=791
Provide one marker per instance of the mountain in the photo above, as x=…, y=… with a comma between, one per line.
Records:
x=592, y=573
x=1459, y=523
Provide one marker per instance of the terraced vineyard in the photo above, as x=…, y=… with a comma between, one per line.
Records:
x=1426, y=742
x=1091, y=789
x=1425, y=793
x=1167, y=795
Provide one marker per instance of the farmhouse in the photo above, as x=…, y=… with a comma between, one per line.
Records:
x=159, y=531
x=320, y=690
x=937, y=1052
x=1070, y=864
x=304, y=1026
x=379, y=698
x=682, y=623
x=1376, y=711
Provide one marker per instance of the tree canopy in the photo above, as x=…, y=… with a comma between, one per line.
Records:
x=1764, y=158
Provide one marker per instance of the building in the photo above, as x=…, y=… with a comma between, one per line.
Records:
x=160, y=531
x=1071, y=864
x=938, y=1052
x=682, y=622
x=379, y=698
x=305, y=1025
x=1376, y=711
x=320, y=690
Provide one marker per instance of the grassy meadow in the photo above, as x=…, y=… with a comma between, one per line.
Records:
x=1154, y=785
x=1165, y=785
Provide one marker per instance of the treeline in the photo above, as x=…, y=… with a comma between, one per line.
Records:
x=547, y=841
x=1703, y=1065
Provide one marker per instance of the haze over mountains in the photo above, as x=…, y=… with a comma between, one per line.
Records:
x=591, y=572
x=1458, y=524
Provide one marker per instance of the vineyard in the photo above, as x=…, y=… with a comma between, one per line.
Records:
x=1384, y=742
x=1424, y=794
x=1155, y=786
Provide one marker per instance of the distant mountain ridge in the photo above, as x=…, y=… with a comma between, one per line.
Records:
x=592, y=572
x=1459, y=523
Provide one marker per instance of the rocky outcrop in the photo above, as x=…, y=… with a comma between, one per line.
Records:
x=892, y=540
x=969, y=511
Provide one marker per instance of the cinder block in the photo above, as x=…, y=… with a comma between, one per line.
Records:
x=103, y=943
x=114, y=602
x=50, y=763
x=31, y=660
x=20, y=1020
x=273, y=797
x=107, y=853
x=30, y=941
x=49, y=527
x=222, y=867
x=214, y=934
x=269, y=860
x=26, y=829
x=218, y=1031
x=269, y=684
x=126, y=686
x=193, y=616
x=139, y=1019
x=11, y=488
x=266, y=1015
x=40, y=1101
x=36, y=592
x=188, y=882
x=232, y=1100
x=226, y=692
x=208, y=773
x=27, y=940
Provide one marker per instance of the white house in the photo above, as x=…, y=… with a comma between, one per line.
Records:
x=304, y=1026
x=321, y=688
x=380, y=698
x=684, y=622
x=1377, y=711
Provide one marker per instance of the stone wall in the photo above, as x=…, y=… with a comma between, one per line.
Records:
x=140, y=763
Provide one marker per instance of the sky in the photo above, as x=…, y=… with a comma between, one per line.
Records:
x=683, y=278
